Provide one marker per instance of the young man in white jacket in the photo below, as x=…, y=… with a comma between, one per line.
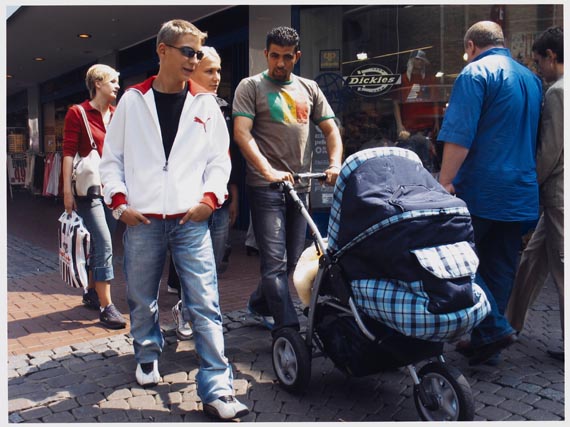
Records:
x=164, y=169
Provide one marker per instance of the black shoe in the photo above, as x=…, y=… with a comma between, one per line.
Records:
x=556, y=354
x=465, y=348
x=485, y=352
x=91, y=299
x=250, y=250
x=112, y=318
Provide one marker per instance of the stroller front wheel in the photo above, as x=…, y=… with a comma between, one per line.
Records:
x=291, y=360
x=447, y=394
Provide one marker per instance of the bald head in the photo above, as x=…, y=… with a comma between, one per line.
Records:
x=485, y=34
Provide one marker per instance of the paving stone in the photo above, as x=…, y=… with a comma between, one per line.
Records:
x=541, y=415
x=22, y=390
x=48, y=373
x=35, y=413
x=271, y=418
x=91, y=398
x=184, y=407
x=65, y=380
x=270, y=406
x=113, y=417
x=20, y=404
x=529, y=388
x=87, y=411
x=515, y=406
x=123, y=393
x=490, y=399
x=526, y=385
x=552, y=394
x=492, y=413
x=550, y=406
x=512, y=393
x=63, y=405
x=18, y=363
x=15, y=418
x=531, y=399
x=141, y=402
x=60, y=417
x=114, y=405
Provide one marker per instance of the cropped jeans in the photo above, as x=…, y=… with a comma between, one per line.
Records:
x=99, y=221
x=146, y=247
x=498, y=244
x=280, y=231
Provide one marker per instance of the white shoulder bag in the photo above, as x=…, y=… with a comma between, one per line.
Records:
x=85, y=178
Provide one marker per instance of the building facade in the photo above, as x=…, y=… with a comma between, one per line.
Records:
x=359, y=55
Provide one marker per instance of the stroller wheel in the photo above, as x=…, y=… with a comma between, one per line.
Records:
x=447, y=394
x=291, y=360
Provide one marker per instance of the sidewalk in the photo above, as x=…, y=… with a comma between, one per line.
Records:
x=63, y=367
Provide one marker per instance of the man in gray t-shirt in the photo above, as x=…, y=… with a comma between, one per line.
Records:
x=272, y=114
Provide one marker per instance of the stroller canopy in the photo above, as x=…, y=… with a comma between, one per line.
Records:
x=378, y=184
x=405, y=245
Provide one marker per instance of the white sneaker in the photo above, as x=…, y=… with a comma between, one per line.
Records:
x=171, y=290
x=183, y=329
x=148, y=375
x=226, y=408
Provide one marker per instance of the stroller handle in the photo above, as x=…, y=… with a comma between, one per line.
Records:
x=298, y=176
x=310, y=175
x=288, y=188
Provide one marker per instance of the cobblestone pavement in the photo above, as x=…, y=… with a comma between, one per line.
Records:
x=93, y=381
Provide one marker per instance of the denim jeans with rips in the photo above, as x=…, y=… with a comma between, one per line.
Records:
x=280, y=231
x=146, y=247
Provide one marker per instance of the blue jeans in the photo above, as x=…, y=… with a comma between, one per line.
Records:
x=498, y=244
x=280, y=232
x=220, y=231
x=146, y=247
x=98, y=219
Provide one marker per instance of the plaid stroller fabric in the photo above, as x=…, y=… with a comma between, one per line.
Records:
x=405, y=246
x=404, y=306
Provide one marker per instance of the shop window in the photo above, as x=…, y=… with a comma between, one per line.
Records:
x=401, y=60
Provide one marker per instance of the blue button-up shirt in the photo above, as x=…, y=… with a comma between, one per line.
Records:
x=494, y=111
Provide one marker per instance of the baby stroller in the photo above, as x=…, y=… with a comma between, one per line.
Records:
x=394, y=283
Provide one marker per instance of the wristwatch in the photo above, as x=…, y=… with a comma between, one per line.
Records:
x=118, y=211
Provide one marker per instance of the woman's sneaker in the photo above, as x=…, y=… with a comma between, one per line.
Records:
x=91, y=299
x=147, y=374
x=183, y=329
x=112, y=318
x=226, y=408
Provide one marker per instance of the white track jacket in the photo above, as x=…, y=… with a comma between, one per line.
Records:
x=134, y=162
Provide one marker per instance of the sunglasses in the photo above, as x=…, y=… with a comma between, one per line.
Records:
x=188, y=51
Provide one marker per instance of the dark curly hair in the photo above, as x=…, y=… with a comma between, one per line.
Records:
x=553, y=39
x=283, y=36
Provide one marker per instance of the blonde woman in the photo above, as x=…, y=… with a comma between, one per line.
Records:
x=102, y=82
x=208, y=75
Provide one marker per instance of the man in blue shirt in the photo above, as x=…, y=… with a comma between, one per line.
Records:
x=490, y=131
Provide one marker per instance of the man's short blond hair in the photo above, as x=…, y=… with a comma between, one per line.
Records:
x=99, y=73
x=172, y=30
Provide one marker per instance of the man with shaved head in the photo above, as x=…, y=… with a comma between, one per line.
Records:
x=489, y=133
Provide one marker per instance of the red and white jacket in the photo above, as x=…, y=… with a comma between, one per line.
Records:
x=134, y=168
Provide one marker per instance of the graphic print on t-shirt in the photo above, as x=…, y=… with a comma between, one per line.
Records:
x=285, y=109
